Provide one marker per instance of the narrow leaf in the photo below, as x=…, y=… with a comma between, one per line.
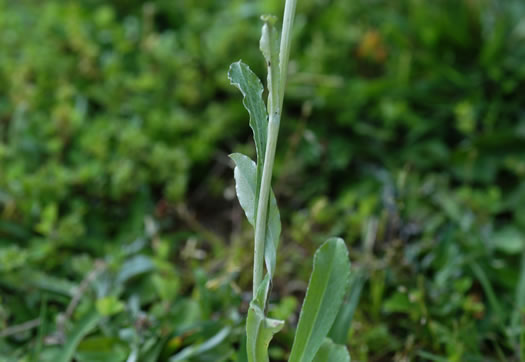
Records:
x=245, y=186
x=331, y=352
x=198, y=349
x=324, y=296
x=519, y=304
x=84, y=326
x=241, y=76
x=269, y=45
x=259, y=329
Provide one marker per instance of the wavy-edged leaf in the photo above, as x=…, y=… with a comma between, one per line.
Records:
x=241, y=76
x=331, y=352
x=259, y=329
x=245, y=186
x=324, y=296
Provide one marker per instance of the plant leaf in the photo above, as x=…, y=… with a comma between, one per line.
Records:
x=84, y=326
x=269, y=45
x=245, y=186
x=331, y=352
x=324, y=296
x=195, y=350
x=241, y=76
x=519, y=302
x=339, y=331
x=259, y=329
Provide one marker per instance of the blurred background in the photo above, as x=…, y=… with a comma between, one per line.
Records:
x=121, y=238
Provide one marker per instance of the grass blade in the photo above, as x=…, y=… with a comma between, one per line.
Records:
x=519, y=308
x=86, y=325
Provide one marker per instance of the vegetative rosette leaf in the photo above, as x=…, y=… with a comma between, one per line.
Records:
x=245, y=184
x=326, y=289
x=331, y=352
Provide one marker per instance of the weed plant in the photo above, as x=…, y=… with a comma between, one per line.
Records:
x=331, y=270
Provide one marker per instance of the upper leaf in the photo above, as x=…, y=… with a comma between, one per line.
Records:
x=245, y=186
x=324, y=296
x=269, y=45
x=241, y=76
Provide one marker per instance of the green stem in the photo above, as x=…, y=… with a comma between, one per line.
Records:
x=262, y=208
x=271, y=142
x=286, y=39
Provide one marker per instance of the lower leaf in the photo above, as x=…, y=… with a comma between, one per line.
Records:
x=331, y=352
x=259, y=329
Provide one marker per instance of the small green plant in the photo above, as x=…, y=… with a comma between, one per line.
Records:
x=331, y=269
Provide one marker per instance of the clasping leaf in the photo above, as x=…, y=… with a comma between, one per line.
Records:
x=245, y=186
x=259, y=329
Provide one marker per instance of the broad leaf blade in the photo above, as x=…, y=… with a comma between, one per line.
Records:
x=324, y=296
x=259, y=329
x=245, y=186
x=241, y=76
x=331, y=352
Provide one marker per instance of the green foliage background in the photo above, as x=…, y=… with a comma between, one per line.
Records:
x=404, y=133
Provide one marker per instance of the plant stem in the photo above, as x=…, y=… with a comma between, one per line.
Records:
x=262, y=208
x=271, y=143
x=286, y=39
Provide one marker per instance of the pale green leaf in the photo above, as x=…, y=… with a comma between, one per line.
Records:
x=259, y=329
x=241, y=76
x=331, y=352
x=324, y=296
x=245, y=186
x=509, y=240
x=109, y=305
x=198, y=349
x=133, y=267
x=269, y=45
